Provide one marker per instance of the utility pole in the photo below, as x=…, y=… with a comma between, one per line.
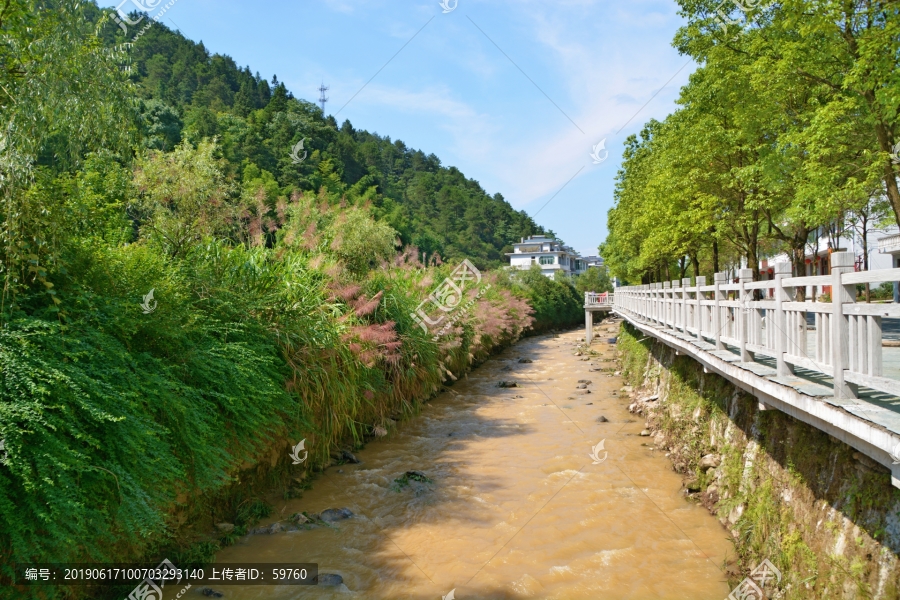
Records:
x=322, y=98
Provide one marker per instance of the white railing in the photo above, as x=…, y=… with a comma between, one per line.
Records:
x=598, y=300
x=764, y=318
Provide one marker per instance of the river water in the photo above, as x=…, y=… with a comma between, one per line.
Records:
x=517, y=507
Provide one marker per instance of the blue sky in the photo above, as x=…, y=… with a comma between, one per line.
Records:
x=583, y=68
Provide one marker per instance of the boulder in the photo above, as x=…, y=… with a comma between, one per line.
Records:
x=525, y=360
x=585, y=381
x=710, y=461
x=332, y=579
x=645, y=433
x=602, y=419
x=335, y=514
x=276, y=527
x=692, y=485
x=348, y=456
x=508, y=384
x=225, y=527
x=417, y=476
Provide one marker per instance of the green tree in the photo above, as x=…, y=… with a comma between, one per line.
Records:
x=184, y=197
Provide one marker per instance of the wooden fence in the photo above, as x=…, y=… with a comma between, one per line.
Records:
x=842, y=341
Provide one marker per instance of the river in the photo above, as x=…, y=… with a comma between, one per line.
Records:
x=517, y=508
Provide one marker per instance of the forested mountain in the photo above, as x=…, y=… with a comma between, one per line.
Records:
x=190, y=94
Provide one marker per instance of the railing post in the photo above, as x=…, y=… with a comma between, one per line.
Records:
x=746, y=276
x=685, y=284
x=664, y=309
x=841, y=262
x=698, y=316
x=782, y=269
x=719, y=278
x=676, y=285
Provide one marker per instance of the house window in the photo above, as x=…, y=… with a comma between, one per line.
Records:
x=546, y=260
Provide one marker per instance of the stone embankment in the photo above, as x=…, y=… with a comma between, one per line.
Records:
x=826, y=516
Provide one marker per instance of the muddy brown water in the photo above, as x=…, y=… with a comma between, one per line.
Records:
x=517, y=507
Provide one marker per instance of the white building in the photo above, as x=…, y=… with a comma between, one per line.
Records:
x=549, y=254
x=593, y=261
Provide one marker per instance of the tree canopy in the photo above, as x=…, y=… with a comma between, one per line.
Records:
x=787, y=127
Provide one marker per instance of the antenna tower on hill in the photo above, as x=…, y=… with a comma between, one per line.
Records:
x=322, y=98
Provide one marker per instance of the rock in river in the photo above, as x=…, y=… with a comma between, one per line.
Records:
x=348, y=457
x=329, y=579
x=508, y=384
x=335, y=514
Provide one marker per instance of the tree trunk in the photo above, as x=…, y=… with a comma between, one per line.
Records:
x=798, y=260
x=715, y=257
x=695, y=262
x=890, y=177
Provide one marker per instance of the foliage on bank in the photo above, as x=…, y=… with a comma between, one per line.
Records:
x=167, y=326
